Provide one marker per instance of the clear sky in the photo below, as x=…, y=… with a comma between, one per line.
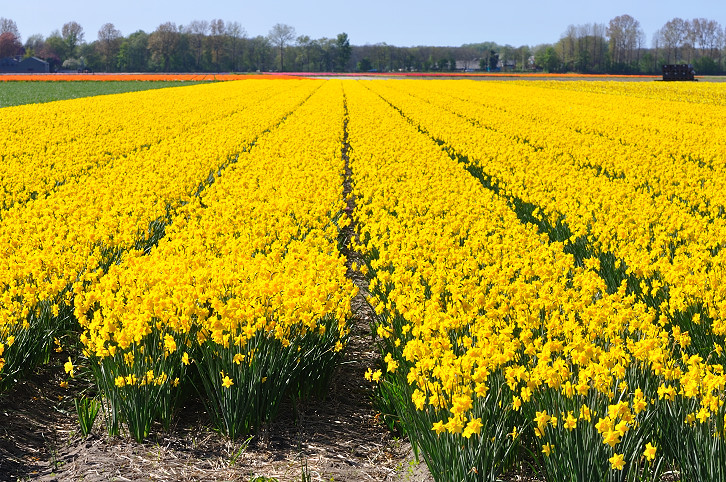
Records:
x=396, y=22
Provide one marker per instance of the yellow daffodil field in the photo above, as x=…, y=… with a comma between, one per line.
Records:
x=545, y=261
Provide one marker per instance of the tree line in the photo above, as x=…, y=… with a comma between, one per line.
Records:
x=218, y=46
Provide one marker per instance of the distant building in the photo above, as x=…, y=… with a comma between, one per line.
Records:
x=508, y=65
x=19, y=65
x=467, y=65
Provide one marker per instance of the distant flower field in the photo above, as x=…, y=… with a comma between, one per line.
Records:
x=545, y=261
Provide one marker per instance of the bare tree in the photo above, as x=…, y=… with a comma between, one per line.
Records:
x=673, y=35
x=72, y=34
x=9, y=38
x=237, y=35
x=109, y=42
x=626, y=38
x=9, y=26
x=657, y=45
x=216, y=40
x=197, y=30
x=705, y=34
x=568, y=46
x=280, y=35
x=9, y=45
x=163, y=42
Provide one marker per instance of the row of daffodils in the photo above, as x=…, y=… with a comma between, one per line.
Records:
x=247, y=284
x=544, y=260
x=659, y=213
x=588, y=324
x=73, y=233
x=46, y=145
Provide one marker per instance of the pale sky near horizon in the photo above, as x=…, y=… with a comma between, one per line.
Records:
x=395, y=22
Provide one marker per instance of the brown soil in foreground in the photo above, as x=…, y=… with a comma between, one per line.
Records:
x=340, y=438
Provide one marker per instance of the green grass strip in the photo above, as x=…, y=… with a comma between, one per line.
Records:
x=27, y=92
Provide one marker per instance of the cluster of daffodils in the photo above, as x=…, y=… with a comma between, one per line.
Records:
x=485, y=317
x=247, y=283
x=47, y=145
x=69, y=235
x=647, y=192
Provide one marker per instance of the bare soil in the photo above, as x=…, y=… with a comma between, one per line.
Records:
x=340, y=438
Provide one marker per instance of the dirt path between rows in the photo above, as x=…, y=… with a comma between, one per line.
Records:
x=340, y=438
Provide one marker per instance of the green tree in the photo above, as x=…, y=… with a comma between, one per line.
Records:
x=493, y=60
x=706, y=66
x=547, y=59
x=54, y=50
x=343, y=50
x=34, y=45
x=133, y=54
x=72, y=34
x=260, y=53
x=364, y=65
x=306, y=51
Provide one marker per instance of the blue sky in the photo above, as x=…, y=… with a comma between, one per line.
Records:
x=396, y=22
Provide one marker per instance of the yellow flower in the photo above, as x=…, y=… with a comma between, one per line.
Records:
x=667, y=392
x=611, y=438
x=617, y=462
x=570, y=421
x=649, y=452
x=419, y=399
x=227, y=382
x=169, y=343
x=69, y=367
x=392, y=365
x=473, y=427
x=547, y=449
x=455, y=424
x=542, y=418
x=585, y=413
